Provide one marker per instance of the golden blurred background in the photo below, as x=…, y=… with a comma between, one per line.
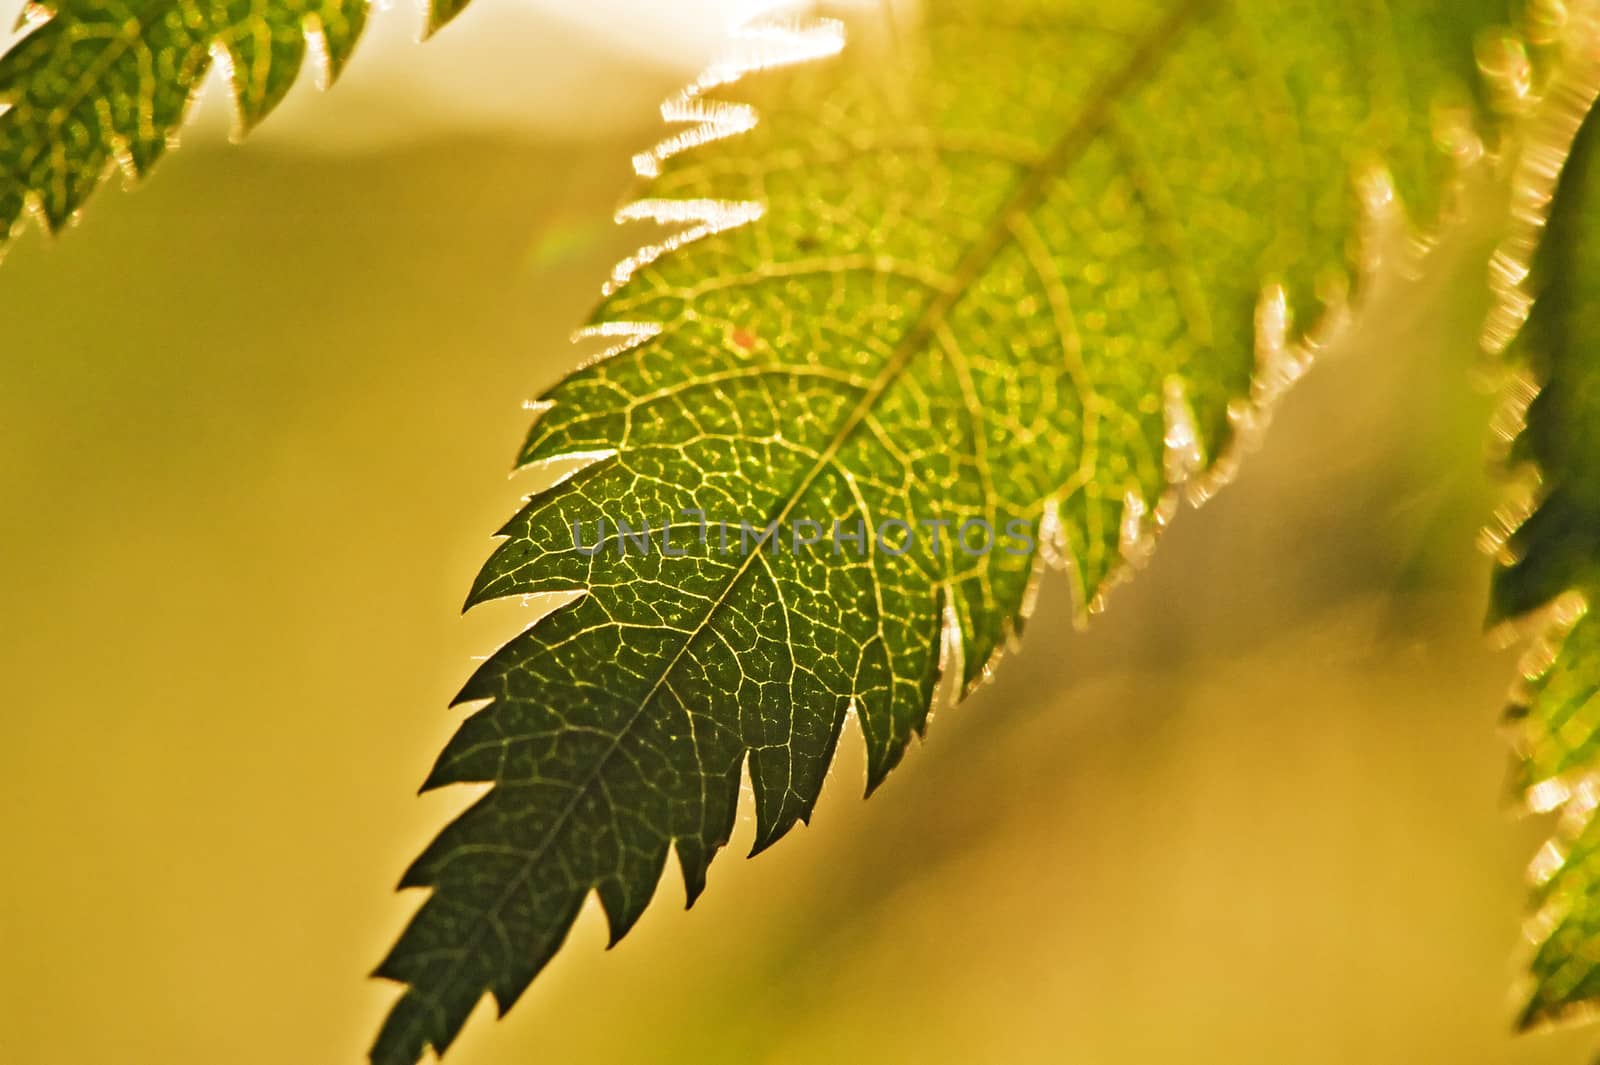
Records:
x=258, y=420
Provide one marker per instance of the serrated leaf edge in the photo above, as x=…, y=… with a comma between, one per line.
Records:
x=766, y=40
x=35, y=16
x=1548, y=117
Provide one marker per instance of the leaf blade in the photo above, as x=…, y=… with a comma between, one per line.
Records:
x=1543, y=541
x=99, y=85
x=954, y=348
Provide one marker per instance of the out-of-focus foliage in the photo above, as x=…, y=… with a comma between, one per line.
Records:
x=95, y=85
x=1551, y=562
x=1037, y=261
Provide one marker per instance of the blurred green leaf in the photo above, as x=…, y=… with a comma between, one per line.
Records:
x=1035, y=261
x=1550, y=570
x=100, y=84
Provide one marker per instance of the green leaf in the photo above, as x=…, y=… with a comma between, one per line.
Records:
x=102, y=84
x=1030, y=262
x=1547, y=540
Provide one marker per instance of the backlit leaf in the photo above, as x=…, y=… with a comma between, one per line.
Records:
x=1043, y=262
x=100, y=84
x=1547, y=540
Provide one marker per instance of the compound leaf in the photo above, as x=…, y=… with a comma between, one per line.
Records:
x=99, y=84
x=1031, y=261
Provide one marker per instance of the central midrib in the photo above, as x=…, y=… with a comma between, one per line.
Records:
x=1027, y=195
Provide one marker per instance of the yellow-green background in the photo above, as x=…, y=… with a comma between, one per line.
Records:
x=256, y=424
